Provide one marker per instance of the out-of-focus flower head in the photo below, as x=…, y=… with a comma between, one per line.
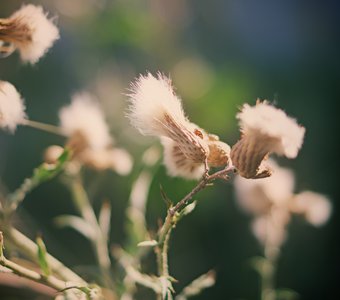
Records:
x=265, y=129
x=258, y=196
x=30, y=31
x=156, y=110
x=84, y=117
x=12, y=107
x=270, y=229
x=89, y=137
x=272, y=201
x=315, y=207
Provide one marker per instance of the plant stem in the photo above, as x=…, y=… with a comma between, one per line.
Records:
x=44, y=127
x=50, y=281
x=170, y=220
x=200, y=186
x=268, y=274
x=99, y=244
x=28, y=247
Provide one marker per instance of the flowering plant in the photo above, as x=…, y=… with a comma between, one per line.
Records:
x=263, y=189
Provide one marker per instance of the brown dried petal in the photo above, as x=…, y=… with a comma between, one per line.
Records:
x=190, y=143
x=247, y=156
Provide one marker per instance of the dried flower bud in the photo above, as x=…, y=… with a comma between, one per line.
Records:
x=12, y=108
x=52, y=153
x=265, y=129
x=30, y=31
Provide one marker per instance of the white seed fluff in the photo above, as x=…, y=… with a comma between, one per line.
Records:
x=266, y=121
x=84, y=116
x=40, y=32
x=151, y=99
x=12, y=107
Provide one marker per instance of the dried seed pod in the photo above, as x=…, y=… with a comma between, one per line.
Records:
x=265, y=129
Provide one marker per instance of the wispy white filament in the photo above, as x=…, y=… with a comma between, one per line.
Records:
x=150, y=99
x=12, y=108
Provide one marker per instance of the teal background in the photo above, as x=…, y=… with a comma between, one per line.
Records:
x=219, y=54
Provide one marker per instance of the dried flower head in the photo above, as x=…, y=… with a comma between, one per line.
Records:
x=156, y=110
x=30, y=31
x=315, y=207
x=12, y=108
x=265, y=129
x=84, y=123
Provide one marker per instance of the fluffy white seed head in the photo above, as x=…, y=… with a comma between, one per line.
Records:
x=83, y=116
x=150, y=99
x=12, y=107
x=266, y=121
x=156, y=110
x=31, y=32
x=315, y=207
x=258, y=196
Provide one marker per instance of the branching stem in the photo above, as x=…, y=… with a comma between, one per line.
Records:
x=170, y=220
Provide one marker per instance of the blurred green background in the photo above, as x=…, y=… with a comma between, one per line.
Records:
x=219, y=55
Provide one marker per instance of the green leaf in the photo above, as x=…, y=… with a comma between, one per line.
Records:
x=151, y=243
x=42, y=253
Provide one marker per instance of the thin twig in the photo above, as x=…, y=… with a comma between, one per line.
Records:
x=50, y=281
x=44, y=127
x=99, y=244
x=29, y=248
